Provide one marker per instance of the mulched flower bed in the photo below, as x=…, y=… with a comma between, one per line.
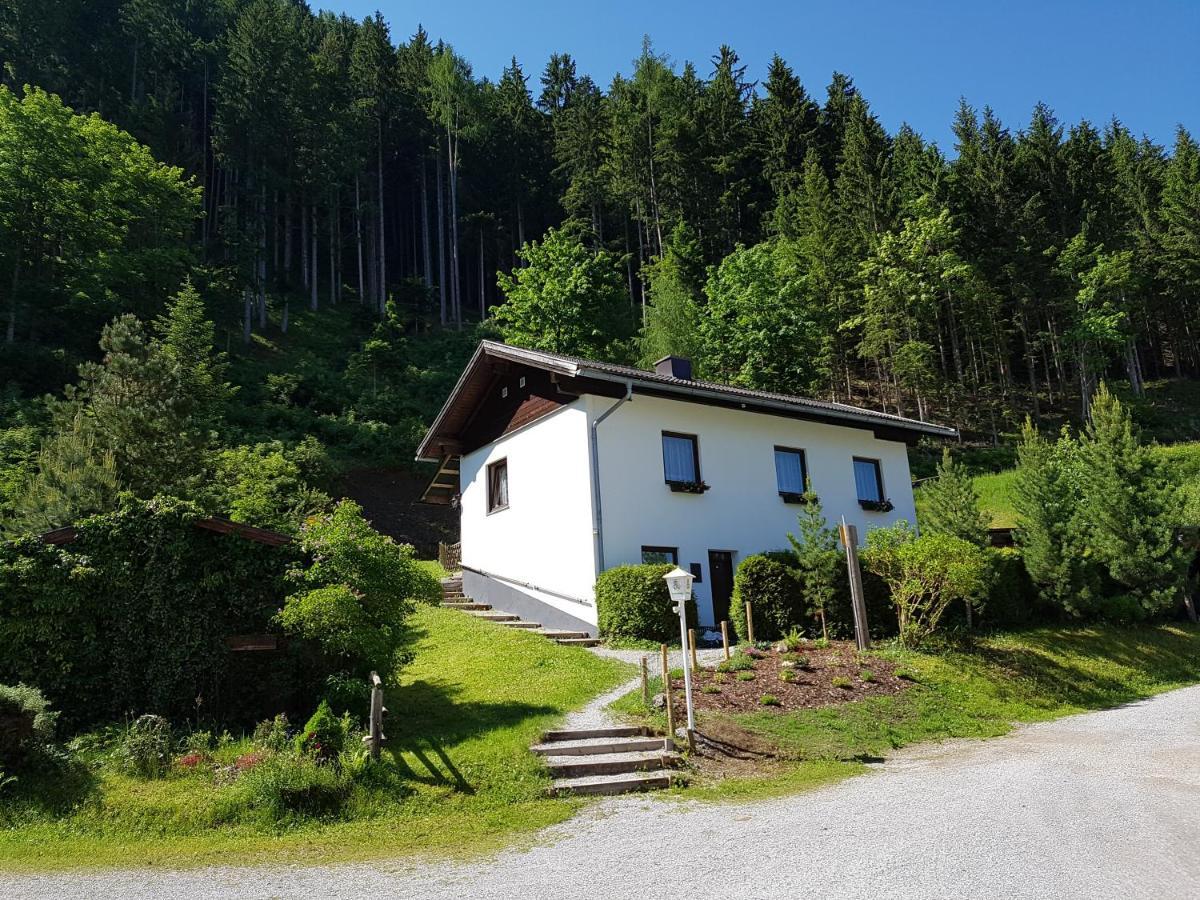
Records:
x=821, y=676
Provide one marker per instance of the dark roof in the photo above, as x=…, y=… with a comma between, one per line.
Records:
x=472, y=383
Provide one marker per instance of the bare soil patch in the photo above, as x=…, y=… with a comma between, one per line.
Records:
x=808, y=678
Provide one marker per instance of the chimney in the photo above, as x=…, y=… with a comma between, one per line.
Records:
x=674, y=367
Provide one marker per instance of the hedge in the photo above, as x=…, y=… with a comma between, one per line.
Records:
x=633, y=603
x=776, y=596
x=133, y=617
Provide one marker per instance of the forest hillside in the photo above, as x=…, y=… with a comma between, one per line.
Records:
x=247, y=244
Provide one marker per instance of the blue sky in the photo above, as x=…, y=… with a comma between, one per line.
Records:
x=913, y=59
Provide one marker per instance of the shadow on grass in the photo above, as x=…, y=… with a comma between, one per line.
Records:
x=1097, y=668
x=50, y=789
x=426, y=722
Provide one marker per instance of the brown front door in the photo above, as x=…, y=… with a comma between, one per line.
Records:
x=720, y=580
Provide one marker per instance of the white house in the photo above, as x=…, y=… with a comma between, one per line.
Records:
x=565, y=467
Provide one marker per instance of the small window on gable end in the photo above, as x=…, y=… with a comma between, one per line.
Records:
x=497, y=484
x=660, y=555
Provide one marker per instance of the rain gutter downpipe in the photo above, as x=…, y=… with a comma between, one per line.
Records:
x=597, y=514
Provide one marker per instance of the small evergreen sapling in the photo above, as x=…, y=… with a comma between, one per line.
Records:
x=817, y=556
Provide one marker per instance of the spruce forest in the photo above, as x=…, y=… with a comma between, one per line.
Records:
x=242, y=238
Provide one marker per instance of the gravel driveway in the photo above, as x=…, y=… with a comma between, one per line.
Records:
x=1103, y=805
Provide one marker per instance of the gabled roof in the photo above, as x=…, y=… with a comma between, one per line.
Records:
x=583, y=376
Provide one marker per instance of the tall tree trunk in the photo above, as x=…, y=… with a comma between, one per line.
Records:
x=15, y=285
x=262, y=255
x=441, y=225
x=382, y=243
x=455, y=274
x=287, y=238
x=304, y=244
x=358, y=240
x=333, y=255
x=247, y=315
x=482, y=297
x=287, y=312
x=312, y=281
x=426, y=256
x=1030, y=367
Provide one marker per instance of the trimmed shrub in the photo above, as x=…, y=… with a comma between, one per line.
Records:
x=632, y=602
x=26, y=725
x=776, y=596
x=324, y=735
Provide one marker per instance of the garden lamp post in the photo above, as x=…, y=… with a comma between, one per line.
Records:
x=679, y=584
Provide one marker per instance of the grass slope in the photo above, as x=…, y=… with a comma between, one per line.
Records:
x=972, y=691
x=460, y=777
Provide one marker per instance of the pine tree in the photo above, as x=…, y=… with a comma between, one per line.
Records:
x=951, y=503
x=817, y=556
x=1129, y=510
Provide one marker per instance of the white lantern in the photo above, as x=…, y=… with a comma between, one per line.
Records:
x=679, y=586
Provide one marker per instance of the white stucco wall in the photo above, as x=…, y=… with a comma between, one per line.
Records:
x=545, y=537
x=742, y=512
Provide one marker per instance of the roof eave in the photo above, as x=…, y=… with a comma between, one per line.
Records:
x=850, y=418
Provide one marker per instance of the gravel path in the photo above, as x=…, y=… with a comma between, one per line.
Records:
x=1103, y=805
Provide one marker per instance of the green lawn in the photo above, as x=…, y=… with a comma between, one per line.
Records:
x=459, y=774
x=970, y=691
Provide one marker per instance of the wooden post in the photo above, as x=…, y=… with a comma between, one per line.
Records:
x=749, y=623
x=645, y=684
x=374, y=738
x=666, y=680
x=849, y=535
x=725, y=638
x=692, y=647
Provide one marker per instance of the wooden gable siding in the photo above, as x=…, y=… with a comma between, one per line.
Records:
x=499, y=413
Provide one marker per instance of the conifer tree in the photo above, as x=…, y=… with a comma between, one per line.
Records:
x=817, y=556
x=951, y=503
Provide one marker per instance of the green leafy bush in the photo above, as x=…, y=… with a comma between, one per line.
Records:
x=737, y=662
x=776, y=596
x=356, y=592
x=324, y=735
x=26, y=725
x=273, y=734
x=924, y=574
x=633, y=602
x=768, y=700
x=145, y=747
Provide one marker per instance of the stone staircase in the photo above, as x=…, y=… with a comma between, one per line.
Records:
x=613, y=760
x=454, y=598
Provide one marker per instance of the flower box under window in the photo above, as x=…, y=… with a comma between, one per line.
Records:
x=876, y=505
x=794, y=497
x=688, y=487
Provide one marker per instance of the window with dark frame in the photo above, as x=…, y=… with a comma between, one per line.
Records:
x=660, y=555
x=497, y=482
x=791, y=474
x=681, y=459
x=868, y=482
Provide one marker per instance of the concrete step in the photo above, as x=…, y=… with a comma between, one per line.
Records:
x=494, y=616
x=584, y=734
x=579, y=641
x=561, y=635
x=623, y=783
x=608, y=763
x=524, y=626
x=467, y=606
x=596, y=746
